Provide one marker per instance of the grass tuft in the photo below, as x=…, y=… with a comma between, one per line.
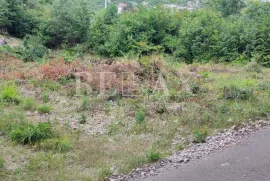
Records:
x=28, y=104
x=153, y=155
x=44, y=108
x=83, y=119
x=45, y=98
x=140, y=116
x=9, y=94
x=235, y=93
x=84, y=105
x=28, y=133
x=200, y=136
x=56, y=144
x=104, y=173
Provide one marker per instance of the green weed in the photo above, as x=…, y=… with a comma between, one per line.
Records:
x=29, y=104
x=194, y=88
x=200, y=135
x=44, y=108
x=83, y=119
x=10, y=94
x=153, y=155
x=45, y=97
x=140, y=116
x=84, y=105
x=56, y=144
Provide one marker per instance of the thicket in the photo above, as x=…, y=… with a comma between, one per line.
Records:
x=219, y=31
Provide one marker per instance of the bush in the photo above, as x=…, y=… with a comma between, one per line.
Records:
x=33, y=49
x=140, y=116
x=28, y=133
x=235, y=93
x=44, y=108
x=137, y=33
x=199, y=36
x=194, y=88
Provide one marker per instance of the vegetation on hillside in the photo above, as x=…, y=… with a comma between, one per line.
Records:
x=63, y=134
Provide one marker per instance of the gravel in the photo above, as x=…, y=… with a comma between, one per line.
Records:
x=194, y=151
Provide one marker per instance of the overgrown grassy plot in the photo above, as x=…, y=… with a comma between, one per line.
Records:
x=89, y=137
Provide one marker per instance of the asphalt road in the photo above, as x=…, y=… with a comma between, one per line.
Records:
x=249, y=160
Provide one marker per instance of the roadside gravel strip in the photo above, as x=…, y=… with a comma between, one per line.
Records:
x=213, y=144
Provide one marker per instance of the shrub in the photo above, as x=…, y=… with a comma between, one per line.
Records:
x=235, y=93
x=10, y=94
x=140, y=116
x=194, y=88
x=28, y=133
x=199, y=36
x=200, y=136
x=56, y=144
x=33, y=49
x=44, y=108
x=29, y=104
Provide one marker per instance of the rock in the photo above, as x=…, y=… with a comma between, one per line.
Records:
x=3, y=42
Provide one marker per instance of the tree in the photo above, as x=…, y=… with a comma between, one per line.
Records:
x=100, y=27
x=68, y=23
x=4, y=14
x=16, y=18
x=227, y=7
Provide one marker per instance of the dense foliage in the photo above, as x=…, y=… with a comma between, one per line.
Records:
x=221, y=30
